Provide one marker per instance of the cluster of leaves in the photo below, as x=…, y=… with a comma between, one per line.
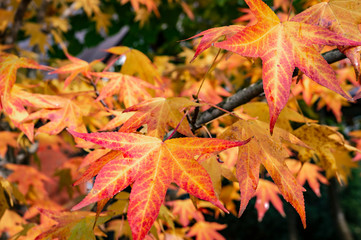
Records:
x=152, y=162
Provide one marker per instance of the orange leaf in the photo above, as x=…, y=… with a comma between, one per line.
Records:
x=341, y=17
x=267, y=191
x=282, y=46
x=68, y=114
x=269, y=151
x=77, y=66
x=158, y=114
x=7, y=139
x=132, y=90
x=136, y=63
x=203, y=230
x=26, y=177
x=185, y=210
x=9, y=64
x=308, y=172
x=151, y=165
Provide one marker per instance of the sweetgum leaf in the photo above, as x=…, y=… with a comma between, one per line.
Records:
x=151, y=165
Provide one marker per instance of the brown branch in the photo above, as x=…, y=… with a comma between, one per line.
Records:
x=18, y=20
x=247, y=94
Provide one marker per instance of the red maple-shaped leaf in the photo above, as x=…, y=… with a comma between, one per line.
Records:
x=151, y=165
x=158, y=114
x=282, y=46
x=131, y=90
x=203, y=230
x=267, y=192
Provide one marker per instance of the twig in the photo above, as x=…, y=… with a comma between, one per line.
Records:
x=18, y=19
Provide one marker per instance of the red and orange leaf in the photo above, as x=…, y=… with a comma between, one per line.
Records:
x=72, y=225
x=282, y=46
x=131, y=90
x=27, y=176
x=267, y=192
x=93, y=156
x=158, y=114
x=77, y=66
x=120, y=117
x=185, y=210
x=96, y=166
x=203, y=230
x=152, y=165
x=341, y=17
x=9, y=64
x=68, y=115
x=269, y=151
x=149, y=4
x=308, y=172
x=212, y=35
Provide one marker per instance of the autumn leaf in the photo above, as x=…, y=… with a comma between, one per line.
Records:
x=137, y=64
x=9, y=194
x=158, y=114
x=149, y=4
x=11, y=223
x=203, y=230
x=132, y=90
x=67, y=115
x=269, y=151
x=7, y=139
x=282, y=46
x=267, y=192
x=212, y=35
x=77, y=66
x=72, y=225
x=119, y=118
x=89, y=6
x=341, y=17
x=308, y=172
x=328, y=149
x=9, y=64
x=151, y=165
x=260, y=109
x=27, y=177
x=185, y=210
x=247, y=17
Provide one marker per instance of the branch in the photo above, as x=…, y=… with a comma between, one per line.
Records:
x=18, y=19
x=247, y=94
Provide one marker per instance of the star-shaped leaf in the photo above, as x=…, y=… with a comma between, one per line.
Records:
x=131, y=90
x=282, y=46
x=151, y=165
x=340, y=16
x=269, y=151
x=267, y=192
